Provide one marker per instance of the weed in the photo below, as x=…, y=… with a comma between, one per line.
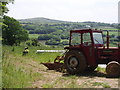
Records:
x=16, y=73
x=47, y=86
x=72, y=76
x=13, y=75
x=63, y=78
x=100, y=69
x=104, y=85
x=13, y=49
x=72, y=84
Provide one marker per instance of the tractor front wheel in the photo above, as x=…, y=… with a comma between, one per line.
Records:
x=113, y=69
x=75, y=62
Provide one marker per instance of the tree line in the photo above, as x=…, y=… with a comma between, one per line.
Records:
x=13, y=32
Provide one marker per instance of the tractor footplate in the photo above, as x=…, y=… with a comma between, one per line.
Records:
x=57, y=65
x=53, y=66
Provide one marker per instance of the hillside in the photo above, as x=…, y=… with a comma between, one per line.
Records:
x=51, y=31
x=41, y=20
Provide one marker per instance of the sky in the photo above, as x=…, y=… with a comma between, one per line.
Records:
x=66, y=10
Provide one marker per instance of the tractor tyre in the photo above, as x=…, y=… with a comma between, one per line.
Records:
x=75, y=62
x=91, y=68
x=113, y=69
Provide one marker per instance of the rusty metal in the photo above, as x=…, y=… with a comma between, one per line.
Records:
x=57, y=65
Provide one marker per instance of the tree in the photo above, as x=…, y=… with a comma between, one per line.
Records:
x=52, y=42
x=34, y=42
x=118, y=37
x=12, y=32
x=3, y=8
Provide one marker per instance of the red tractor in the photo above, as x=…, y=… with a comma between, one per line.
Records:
x=87, y=50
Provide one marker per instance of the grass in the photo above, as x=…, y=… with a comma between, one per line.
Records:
x=73, y=84
x=16, y=72
x=13, y=76
x=100, y=69
x=33, y=36
x=111, y=33
x=41, y=57
x=47, y=86
x=104, y=85
x=110, y=29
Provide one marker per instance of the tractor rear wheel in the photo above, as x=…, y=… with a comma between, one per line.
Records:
x=113, y=69
x=75, y=62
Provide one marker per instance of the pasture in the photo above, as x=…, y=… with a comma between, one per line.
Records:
x=27, y=72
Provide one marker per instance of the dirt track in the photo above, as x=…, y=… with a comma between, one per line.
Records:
x=53, y=79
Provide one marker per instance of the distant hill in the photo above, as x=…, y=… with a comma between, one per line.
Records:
x=40, y=20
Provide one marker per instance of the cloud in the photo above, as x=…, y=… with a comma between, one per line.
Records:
x=68, y=10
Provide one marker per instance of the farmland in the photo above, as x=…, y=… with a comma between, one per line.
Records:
x=27, y=72
x=52, y=33
x=113, y=40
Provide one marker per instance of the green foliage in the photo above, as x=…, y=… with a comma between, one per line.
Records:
x=118, y=38
x=100, y=69
x=52, y=42
x=33, y=36
x=34, y=42
x=3, y=8
x=65, y=42
x=45, y=37
x=48, y=37
x=12, y=32
x=56, y=32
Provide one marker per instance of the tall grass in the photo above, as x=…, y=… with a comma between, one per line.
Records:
x=13, y=77
x=15, y=74
x=0, y=65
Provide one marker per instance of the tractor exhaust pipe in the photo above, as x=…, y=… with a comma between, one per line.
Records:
x=107, y=40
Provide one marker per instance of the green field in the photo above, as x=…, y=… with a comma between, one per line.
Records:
x=33, y=36
x=26, y=71
x=18, y=71
x=110, y=29
x=111, y=33
x=15, y=72
x=112, y=44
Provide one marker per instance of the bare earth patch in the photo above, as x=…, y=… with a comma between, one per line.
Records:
x=54, y=79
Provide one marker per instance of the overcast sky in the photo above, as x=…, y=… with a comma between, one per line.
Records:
x=66, y=10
